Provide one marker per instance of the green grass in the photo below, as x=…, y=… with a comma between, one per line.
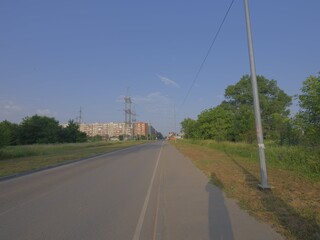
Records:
x=304, y=161
x=19, y=159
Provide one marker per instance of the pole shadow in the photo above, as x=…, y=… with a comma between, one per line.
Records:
x=219, y=221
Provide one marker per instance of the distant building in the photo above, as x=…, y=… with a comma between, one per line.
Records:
x=141, y=129
x=174, y=136
x=106, y=130
x=96, y=129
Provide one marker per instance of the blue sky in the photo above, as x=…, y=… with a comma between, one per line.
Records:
x=58, y=56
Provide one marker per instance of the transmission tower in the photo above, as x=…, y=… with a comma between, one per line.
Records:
x=127, y=115
x=79, y=118
x=134, y=120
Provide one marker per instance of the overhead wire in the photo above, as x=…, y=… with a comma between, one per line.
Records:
x=207, y=54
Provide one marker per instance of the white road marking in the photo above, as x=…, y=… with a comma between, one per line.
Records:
x=136, y=235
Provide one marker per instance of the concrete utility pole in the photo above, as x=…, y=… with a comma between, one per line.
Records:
x=261, y=147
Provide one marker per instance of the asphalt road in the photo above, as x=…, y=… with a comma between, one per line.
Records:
x=145, y=192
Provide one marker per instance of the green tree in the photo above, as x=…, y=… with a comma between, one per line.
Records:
x=121, y=137
x=8, y=133
x=215, y=123
x=274, y=104
x=309, y=114
x=141, y=137
x=291, y=133
x=188, y=127
x=96, y=138
x=72, y=134
x=243, y=125
x=39, y=129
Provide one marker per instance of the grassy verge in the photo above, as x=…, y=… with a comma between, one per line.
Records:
x=303, y=161
x=292, y=207
x=19, y=159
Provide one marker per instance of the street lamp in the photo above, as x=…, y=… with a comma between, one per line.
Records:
x=261, y=146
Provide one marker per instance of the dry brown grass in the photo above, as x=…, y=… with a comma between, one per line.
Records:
x=292, y=207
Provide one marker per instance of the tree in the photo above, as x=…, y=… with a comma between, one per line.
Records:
x=39, y=129
x=243, y=123
x=96, y=138
x=274, y=104
x=72, y=133
x=8, y=133
x=309, y=114
x=215, y=123
x=188, y=127
x=141, y=137
x=291, y=133
x=121, y=137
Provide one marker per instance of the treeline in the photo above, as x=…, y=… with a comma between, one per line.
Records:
x=39, y=129
x=233, y=119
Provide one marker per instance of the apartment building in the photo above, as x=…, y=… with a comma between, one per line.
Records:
x=96, y=129
x=141, y=129
x=106, y=130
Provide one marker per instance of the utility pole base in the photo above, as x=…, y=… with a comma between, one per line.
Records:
x=264, y=188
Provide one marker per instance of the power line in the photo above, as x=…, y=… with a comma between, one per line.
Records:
x=207, y=54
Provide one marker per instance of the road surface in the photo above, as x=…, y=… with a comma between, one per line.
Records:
x=146, y=192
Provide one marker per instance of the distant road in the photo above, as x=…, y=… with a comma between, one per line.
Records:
x=145, y=192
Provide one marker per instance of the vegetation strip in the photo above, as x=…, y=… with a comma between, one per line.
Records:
x=292, y=207
x=15, y=160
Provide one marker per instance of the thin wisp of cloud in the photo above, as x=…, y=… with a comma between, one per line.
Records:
x=168, y=82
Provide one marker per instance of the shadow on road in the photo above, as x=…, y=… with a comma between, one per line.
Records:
x=288, y=217
x=219, y=222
